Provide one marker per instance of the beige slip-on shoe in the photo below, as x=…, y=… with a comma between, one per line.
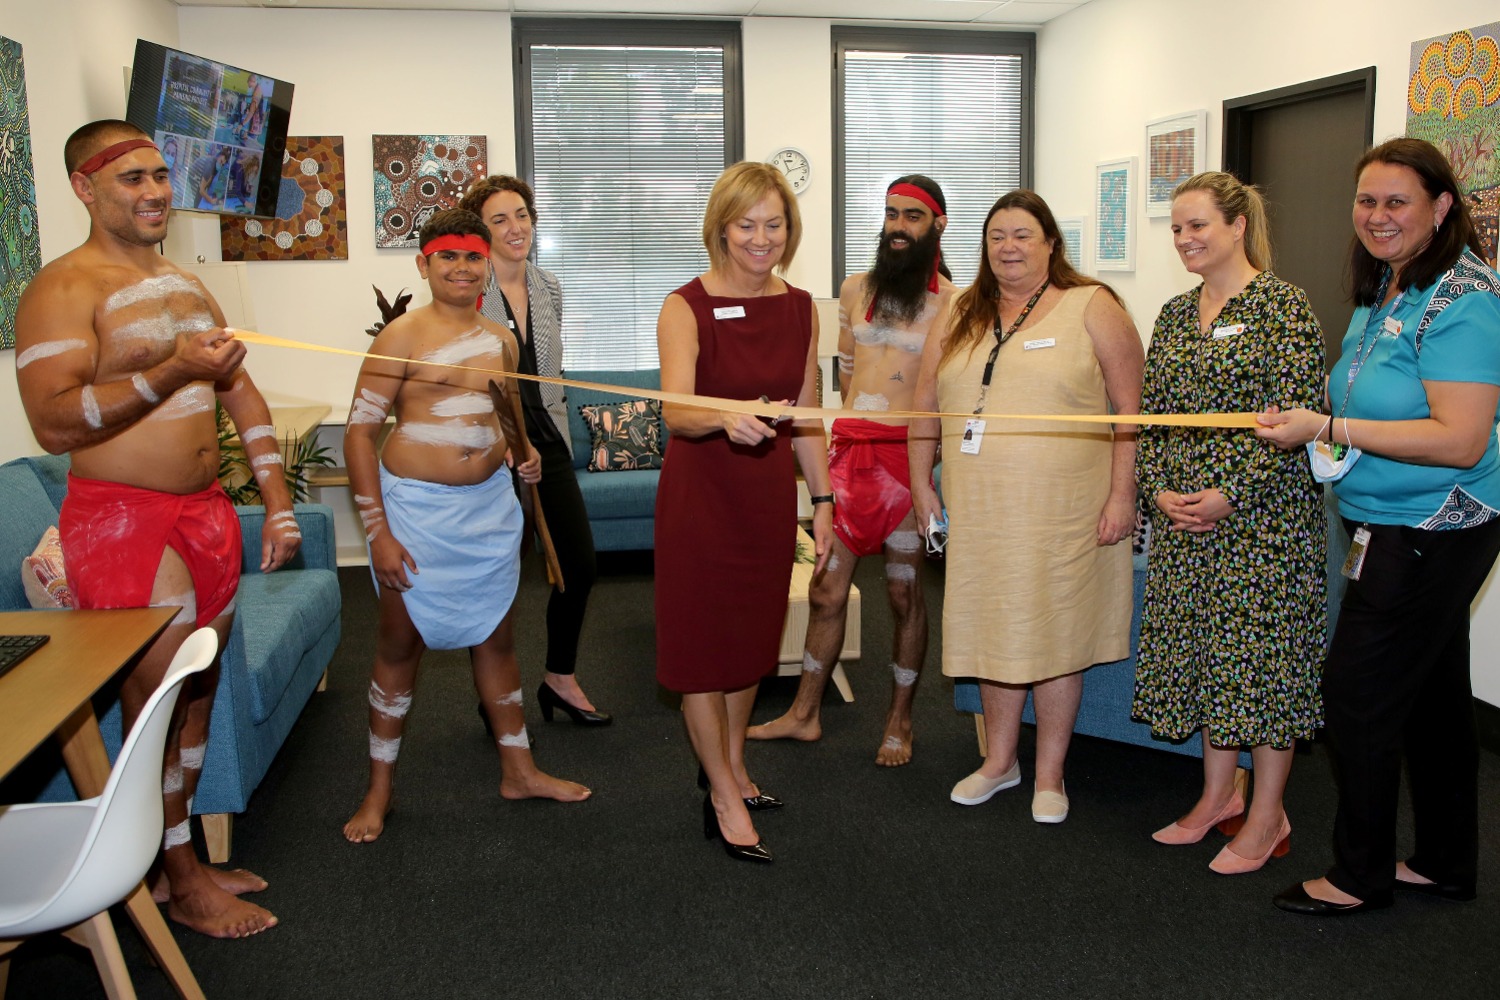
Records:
x=977, y=789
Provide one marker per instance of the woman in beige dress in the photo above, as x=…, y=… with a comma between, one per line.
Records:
x=1038, y=586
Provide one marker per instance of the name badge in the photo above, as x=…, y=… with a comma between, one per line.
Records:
x=1036, y=345
x=1224, y=332
x=1391, y=326
x=729, y=312
x=973, y=436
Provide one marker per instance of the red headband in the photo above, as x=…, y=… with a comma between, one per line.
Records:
x=912, y=191
x=467, y=242
x=111, y=153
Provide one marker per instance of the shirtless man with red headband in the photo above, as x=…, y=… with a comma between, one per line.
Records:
x=120, y=358
x=885, y=316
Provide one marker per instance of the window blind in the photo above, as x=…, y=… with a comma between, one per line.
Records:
x=955, y=116
x=626, y=143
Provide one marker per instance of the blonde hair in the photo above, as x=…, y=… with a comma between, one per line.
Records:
x=739, y=188
x=1234, y=199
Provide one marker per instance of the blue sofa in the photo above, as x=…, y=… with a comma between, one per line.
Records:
x=285, y=631
x=621, y=505
x=1109, y=688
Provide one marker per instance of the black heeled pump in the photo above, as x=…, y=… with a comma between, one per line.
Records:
x=549, y=700
x=756, y=803
x=757, y=852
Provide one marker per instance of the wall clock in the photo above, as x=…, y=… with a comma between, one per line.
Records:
x=794, y=163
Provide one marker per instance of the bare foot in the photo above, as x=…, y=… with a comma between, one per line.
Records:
x=895, y=748
x=235, y=881
x=537, y=785
x=1254, y=841
x=368, y=822
x=788, y=727
x=1321, y=888
x=210, y=910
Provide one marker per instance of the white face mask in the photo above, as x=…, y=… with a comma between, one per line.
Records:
x=1330, y=460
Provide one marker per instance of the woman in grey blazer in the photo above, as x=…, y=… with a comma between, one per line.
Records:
x=528, y=300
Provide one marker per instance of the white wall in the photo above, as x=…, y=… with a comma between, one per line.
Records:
x=76, y=52
x=1106, y=69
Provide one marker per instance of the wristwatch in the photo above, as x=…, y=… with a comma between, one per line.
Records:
x=821, y=498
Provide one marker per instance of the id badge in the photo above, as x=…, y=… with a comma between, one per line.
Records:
x=973, y=436
x=1358, y=546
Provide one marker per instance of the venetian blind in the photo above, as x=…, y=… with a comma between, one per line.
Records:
x=955, y=117
x=626, y=144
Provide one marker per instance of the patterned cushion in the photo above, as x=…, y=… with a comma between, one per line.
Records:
x=42, y=574
x=623, y=435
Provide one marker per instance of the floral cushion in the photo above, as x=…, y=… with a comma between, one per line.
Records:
x=623, y=435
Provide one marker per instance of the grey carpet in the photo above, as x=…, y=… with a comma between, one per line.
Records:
x=881, y=887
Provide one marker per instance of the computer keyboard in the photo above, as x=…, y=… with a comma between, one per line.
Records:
x=15, y=648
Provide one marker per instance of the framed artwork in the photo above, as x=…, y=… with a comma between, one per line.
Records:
x=20, y=240
x=1074, y=229
x=1176, y=149
x=1114, y=207
x=311, y=220
x=417, y=175
x=1453, y=101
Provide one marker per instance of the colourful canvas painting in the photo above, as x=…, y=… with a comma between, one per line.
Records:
x=1453, y=101
x=417, y=175
x=311, y=212
x=20, y=240
x=1114, y=208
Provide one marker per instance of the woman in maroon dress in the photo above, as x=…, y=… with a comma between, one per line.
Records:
x=726, y=508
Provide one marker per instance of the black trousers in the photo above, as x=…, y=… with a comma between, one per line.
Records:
x=1396, y=682
x=568, y=523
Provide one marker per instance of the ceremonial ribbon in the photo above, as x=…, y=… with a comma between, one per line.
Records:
x=772, y=410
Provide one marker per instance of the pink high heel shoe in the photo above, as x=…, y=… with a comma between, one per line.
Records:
x=1230, y=819
x=1230, y=863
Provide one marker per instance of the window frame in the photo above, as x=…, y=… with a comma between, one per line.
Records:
x=942, y=42
x=528, y=31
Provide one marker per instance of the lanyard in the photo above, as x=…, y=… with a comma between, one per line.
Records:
x=989, y=366
x=1361, y=355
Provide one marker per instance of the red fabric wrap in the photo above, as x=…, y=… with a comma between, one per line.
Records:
x=871, y=482
x=466, y=242
x=110, y=153
x=113, y=536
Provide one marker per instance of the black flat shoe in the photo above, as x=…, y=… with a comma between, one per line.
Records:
x=755, y=803
x=1442, y=890
x=549, y=700
x=757, y=852
x=1294, y=899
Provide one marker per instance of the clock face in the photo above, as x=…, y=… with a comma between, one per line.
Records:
x=795, y=165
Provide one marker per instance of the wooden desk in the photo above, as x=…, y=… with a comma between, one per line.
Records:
x=49, y=692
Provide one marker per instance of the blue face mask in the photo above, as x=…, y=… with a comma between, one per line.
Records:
x=1330, y=460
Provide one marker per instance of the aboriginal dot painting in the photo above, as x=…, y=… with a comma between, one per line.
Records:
x=1453, y=101
x=417, y=175
x=311, y=213
x=20, y=243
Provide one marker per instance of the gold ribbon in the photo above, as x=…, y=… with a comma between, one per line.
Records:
x=772, y=410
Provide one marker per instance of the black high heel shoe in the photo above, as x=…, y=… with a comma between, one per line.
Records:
x=757, y=852
x=549, y=699
x=756, y=803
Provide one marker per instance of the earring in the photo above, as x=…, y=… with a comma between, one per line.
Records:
x=1437, y=227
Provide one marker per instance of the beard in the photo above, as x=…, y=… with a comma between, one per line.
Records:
x=900, y=278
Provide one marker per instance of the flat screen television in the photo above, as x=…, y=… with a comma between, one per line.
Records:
x=221, y=129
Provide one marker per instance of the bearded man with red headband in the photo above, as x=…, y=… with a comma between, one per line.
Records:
x=885, y=316
x=441, y=518
x=120, y=357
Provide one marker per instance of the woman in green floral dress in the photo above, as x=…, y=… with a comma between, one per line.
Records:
x=1232, y=636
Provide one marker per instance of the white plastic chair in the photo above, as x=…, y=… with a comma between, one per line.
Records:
x=64, y=864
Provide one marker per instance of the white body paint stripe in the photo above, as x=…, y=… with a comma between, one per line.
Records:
x=143, y=388
x=518, y=741
x=453, y=433
x=91, y=415
x=384, y=750
x=151, y=288
x=392, y=706
x=50, y=349
x=257, y=432
x=188, y=401
x=477, y=343
x=514, y=698
x=271, y=458
x=176, y=836
x=462, y=405
x=192, y=757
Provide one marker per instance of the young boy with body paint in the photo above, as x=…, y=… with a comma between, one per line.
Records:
x=441, y=517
